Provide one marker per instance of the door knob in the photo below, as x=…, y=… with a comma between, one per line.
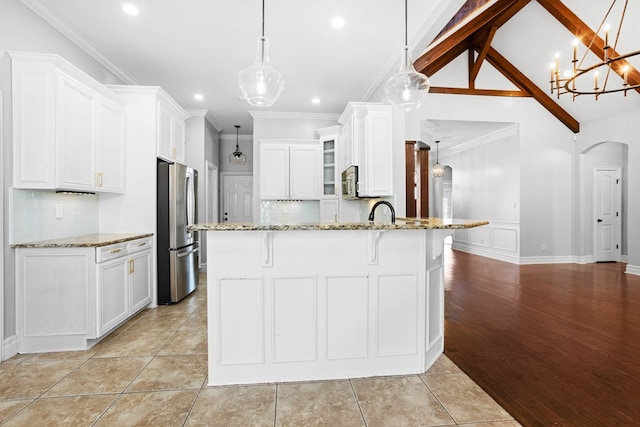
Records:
x=599, y=220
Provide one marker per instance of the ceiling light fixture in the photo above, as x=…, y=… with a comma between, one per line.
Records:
x=406, y=88
x=237, y=158
x=130, y=9
x=611, y=61
x=337, y=22
x=260, y=84
x=198, y=97
x=437, y=170
x=315, y=100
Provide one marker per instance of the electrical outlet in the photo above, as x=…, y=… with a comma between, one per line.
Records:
x=543, y=246
x=59, y=210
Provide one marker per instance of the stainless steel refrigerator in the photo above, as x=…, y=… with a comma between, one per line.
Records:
x=178, y=248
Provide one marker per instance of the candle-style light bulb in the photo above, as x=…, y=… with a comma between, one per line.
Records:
x=625, y=71
x=595, y=77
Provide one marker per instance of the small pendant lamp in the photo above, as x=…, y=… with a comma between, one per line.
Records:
x=260, y=84
x=437, y=170
x=407, y=88
x=237, y=158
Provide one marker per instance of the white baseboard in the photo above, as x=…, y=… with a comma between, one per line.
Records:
x=10, y=347
x=633, y=269
x=475, y=250
x=624, y=258
x=586, y=259
x=546, y=260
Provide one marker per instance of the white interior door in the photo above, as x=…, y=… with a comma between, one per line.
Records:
x=237, y=198
x=607, y=194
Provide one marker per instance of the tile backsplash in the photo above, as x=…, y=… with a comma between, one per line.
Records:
x=34, y=215
x=289, y=211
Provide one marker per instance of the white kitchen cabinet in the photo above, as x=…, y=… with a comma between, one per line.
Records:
x=68, y=129
x=289, y=171
x=171, y=131
x=112, y=294
x=332, y=165
x=69, y=297
x=124, y=283
x=367, y=137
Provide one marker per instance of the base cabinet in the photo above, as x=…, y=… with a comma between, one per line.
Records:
x=68, y=298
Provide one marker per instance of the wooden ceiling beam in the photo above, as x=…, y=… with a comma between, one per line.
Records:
x=523, y=82
x=482, y=92
x=581, y=31
x=432, y=60
x=473, y=71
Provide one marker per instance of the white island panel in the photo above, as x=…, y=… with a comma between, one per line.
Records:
x=297, y=305
x=347, y=317
x=295, y=322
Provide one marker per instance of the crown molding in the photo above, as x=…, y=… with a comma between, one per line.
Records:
x=206, y=114
x=294, y=116
x=79, y=39
x=482, y=140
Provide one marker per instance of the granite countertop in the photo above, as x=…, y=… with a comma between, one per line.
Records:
x=86, y=241
x=401, y=224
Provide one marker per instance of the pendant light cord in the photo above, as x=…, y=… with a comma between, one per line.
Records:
x=405, y=23
x=263, y=18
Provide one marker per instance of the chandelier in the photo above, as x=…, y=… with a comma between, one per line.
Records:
x=237, y=157
x=612, y=61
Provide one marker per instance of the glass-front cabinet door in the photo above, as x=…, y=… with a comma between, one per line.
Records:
x=329, y=167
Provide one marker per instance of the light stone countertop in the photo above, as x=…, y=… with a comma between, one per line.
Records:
x=86, y=241
x=401, y=224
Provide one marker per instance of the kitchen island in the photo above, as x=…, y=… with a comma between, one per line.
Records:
x=324, y=301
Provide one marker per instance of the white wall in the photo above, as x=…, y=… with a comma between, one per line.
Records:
x=624, y=128
x=21, y=29
x=202, y=146
x=545, y=159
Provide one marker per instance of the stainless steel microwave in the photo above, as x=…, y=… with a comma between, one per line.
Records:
x=350, y=183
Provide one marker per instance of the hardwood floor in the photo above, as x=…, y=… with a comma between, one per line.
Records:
x=555, y=345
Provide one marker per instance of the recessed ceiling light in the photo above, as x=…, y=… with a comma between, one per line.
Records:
x=198, y=96
x=337, y=22
x=130, y=9
x=315, y=100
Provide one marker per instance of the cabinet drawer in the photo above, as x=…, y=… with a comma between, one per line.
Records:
x=139, y=245
x=106, y=253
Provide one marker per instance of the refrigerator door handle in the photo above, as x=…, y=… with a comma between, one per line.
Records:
x=184, y=254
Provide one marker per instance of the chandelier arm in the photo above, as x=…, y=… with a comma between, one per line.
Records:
x=581, y=72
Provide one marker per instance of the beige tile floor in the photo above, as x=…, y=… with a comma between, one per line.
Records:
x=152, y=372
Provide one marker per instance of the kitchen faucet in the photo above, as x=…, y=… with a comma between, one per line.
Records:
x=383, y=202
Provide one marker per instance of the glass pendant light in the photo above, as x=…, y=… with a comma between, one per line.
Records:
x=237, y=157
x=260, y=84
x=437, y=170
x=406, y=88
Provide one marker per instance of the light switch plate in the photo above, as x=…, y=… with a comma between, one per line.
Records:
x=59, y=210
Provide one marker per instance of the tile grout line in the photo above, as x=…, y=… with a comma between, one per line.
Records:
x=355, y=396
x=437, y=399
x=275, y=408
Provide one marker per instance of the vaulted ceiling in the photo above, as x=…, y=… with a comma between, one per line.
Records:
x=473, y=29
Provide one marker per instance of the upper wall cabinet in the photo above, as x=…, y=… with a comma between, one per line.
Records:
x=68, y=129
x=171, y=131
x=290, y=170
x=367, y=142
